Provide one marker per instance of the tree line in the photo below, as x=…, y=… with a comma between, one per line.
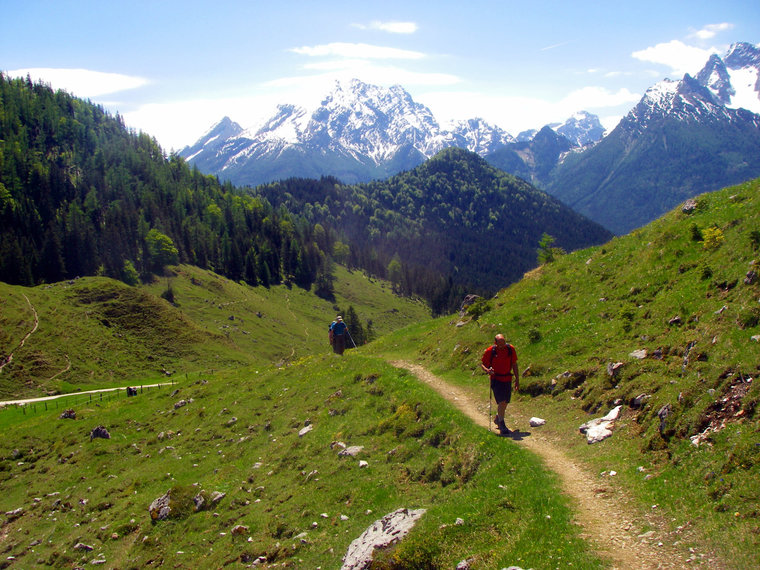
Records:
x=81, y=194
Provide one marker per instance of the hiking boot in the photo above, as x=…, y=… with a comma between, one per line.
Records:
x=503, y=429
x=496, y=420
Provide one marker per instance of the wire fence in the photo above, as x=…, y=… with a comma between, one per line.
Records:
x=68, y=401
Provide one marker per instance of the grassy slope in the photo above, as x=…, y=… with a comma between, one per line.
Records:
x=595, y=307
x=95, y=332
x=301, y=502
x=577, y=315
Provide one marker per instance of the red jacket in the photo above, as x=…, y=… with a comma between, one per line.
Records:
x=501, y=360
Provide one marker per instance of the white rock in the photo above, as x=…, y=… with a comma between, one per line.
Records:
x=535, y=422
x=352, y=451
x=388, y=530
x=305, y=430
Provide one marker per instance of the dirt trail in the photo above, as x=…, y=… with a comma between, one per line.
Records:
x=9, y=358
x=608, y=522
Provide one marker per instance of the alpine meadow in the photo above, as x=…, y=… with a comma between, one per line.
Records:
x=168, y=333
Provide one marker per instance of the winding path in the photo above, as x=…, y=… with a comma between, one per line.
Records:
x=609, y=523
x=9, y=358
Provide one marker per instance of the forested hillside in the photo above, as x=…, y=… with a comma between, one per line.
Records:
x=455, y=223
x=80, y=194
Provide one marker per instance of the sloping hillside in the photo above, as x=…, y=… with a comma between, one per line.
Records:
x=96, y=332
x=664, y=322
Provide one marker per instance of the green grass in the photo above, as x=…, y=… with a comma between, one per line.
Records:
x=595, y=307
x=273, y=373
x=96, y=332
x=239, y=435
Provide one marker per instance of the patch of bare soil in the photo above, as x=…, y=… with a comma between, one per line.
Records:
x=609, y=521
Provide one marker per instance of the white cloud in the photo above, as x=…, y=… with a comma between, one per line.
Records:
x=678, y=56
x=357, y=50
x=516, y=114
x=710, y=31
x=390, y=27
x=83, y=83
x=596, y=97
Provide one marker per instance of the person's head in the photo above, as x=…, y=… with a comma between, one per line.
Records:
x=338, y=318
x=499, y=340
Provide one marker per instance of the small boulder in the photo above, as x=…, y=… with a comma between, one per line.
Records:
x=601, y=428
x=239, y=530
x=613, y=368
x=352, y=451
x=640, y=354
x=99, y=432
x=384, y=532
x=14, y=514
x=159, y=509
x=535, y=422
x=84, y=547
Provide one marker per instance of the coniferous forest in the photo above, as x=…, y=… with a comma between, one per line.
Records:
x=82, y=194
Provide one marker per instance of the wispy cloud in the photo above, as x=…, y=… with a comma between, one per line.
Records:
x=390, y=27
x=357, y=50
x=554, y=46
x=82, y=82
x=710, y=31
x=678, y=56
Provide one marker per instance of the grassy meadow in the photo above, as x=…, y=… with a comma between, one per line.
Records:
x=668, y=289
x=668, y=305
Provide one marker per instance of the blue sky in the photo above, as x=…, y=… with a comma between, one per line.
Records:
x=174, y=68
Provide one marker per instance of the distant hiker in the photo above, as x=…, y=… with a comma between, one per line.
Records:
x=338, y=331
x=500, y=363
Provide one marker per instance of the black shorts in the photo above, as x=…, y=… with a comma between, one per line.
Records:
x=502, y=391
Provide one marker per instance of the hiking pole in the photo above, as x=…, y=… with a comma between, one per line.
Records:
x=489, y=407
x=349, y=336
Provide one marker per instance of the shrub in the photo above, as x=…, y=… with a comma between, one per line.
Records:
x=713, y=238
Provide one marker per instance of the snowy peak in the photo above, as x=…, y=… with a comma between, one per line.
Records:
x=735, y=79
x=214, y=138
x=371, y=121
x=478, y=136
x=741, y=55
x=582, y=129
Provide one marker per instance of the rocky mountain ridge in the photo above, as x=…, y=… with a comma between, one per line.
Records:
x=358, y=133
x=683, y=138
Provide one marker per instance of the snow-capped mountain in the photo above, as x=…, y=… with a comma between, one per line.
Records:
x=683, y=138
x=358, y=132
x=581, y=129
x=735, y=79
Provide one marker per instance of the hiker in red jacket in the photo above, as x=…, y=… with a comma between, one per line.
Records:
x=500, y=363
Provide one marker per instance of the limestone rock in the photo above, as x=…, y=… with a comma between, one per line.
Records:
x=640, y=354
x=601, y=428
x=535, y=422
x=14, y=514
x=159, y=509
x=380, y=534
x=82, y=546
x=352, y=451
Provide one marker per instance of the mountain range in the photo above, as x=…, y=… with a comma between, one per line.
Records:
x=683, y=138
x=359, y=133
